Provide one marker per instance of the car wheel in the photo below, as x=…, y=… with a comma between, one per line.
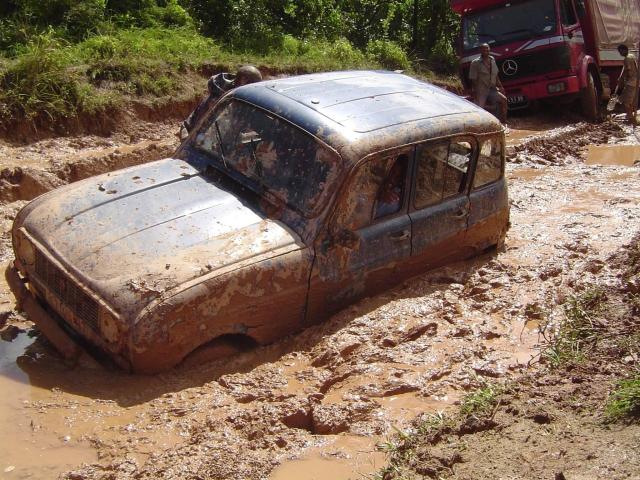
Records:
x=219, y=348
x=590, y=100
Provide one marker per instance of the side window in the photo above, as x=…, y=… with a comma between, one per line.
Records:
x=376, y=190
x=489, y=167
x=390, y=197
x=442, y=171
x=432, y=162
x=567, y=16
x=457, y=168
x=580, y=7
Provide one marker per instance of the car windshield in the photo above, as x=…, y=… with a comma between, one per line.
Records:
x=274, y=155
x=508, y=23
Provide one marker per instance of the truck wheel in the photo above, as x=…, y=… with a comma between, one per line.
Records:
x=590, y=100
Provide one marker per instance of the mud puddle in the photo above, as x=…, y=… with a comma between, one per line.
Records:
x=343, y=458
x=27, y=448
x=626, y=155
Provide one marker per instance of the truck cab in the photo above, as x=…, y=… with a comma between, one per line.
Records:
x=547, y=48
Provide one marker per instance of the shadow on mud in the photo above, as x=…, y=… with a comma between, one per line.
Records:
x=39, y=365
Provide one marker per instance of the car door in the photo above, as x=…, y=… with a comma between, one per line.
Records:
x=439, y=207
x=488, y=200
x=367, y=239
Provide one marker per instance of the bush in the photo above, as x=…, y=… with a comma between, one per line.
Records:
x=39, y=82
x=443, y=57
x=389, y=54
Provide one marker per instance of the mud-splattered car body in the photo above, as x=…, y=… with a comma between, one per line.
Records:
x=290, y=200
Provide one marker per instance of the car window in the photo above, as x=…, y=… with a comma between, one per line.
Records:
x=567, y=16
x=390, y=197
x=489, y=166
x=366, y=189
x=279, y=157
x=441, y=171
x=432, y=161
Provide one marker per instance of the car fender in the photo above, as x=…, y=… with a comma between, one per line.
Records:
x=583, y=70
x=263, y=300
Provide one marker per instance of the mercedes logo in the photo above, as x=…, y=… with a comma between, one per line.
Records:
x=510, y=67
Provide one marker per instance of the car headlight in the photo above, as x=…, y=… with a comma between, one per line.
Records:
x=25, y=251
x=109, y=326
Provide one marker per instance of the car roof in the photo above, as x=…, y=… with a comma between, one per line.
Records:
x=366, y=111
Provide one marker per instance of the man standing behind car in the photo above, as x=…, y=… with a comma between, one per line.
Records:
x=628, y=82
x=485, y=83
x=218, y=85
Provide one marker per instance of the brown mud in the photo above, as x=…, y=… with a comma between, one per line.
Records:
x=552, y=421
x=323, y=399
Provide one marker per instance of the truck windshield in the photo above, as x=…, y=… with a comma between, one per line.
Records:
x=273, y=155
x=508, y=23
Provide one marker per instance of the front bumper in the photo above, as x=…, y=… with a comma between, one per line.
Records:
x=58, y=337
x=70, y=343
x=521, y=93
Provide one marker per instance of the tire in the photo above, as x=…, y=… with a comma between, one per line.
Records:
x=590, y=100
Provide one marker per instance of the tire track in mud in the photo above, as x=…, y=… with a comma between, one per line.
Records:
x=564, y=145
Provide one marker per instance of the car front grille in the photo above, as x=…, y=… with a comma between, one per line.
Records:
x=67, y=292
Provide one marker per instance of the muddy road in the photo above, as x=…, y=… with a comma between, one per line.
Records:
x=317, y=403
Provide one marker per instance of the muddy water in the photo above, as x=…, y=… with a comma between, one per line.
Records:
x=626, y=155
x=29, y=449
x=342, y=458
x=515, y=136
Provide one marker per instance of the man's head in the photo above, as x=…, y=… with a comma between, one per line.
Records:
x=623, y=50
x=247, y=74
x=484, y=50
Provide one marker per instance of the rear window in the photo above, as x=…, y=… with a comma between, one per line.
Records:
x=275, y=155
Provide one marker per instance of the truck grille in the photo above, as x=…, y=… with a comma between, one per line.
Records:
x=536, y=63
x=68, y=292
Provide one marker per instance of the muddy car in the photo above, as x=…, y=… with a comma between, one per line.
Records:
x=290, y=200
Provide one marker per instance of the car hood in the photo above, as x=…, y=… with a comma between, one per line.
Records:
x=137, y=233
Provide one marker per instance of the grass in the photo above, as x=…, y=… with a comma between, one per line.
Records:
x=403, y=449
x=624, y=402
x=50, y=78
x=481, y=401
x=578, y=331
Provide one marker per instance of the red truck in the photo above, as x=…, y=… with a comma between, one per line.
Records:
x=551, y=49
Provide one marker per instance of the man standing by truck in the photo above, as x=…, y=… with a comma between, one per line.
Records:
x=485, y=83
x=628, y=82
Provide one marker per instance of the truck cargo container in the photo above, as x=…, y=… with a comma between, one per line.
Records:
x=559, y=50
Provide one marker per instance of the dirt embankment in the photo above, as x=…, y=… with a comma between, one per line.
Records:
x=332, y=393
x=27, y=171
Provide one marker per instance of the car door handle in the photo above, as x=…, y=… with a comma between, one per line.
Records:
x=461, y=213
x=401, y=235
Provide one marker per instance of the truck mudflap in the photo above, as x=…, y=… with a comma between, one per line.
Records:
x=60, y=339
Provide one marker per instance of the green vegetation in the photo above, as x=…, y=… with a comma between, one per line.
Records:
x=481, y=401
x=63, y=58
x=624, y=402
x=579, y=330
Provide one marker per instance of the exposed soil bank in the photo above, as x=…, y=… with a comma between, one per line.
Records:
x=30, y=170
x=335, y=389
x=128, y=114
